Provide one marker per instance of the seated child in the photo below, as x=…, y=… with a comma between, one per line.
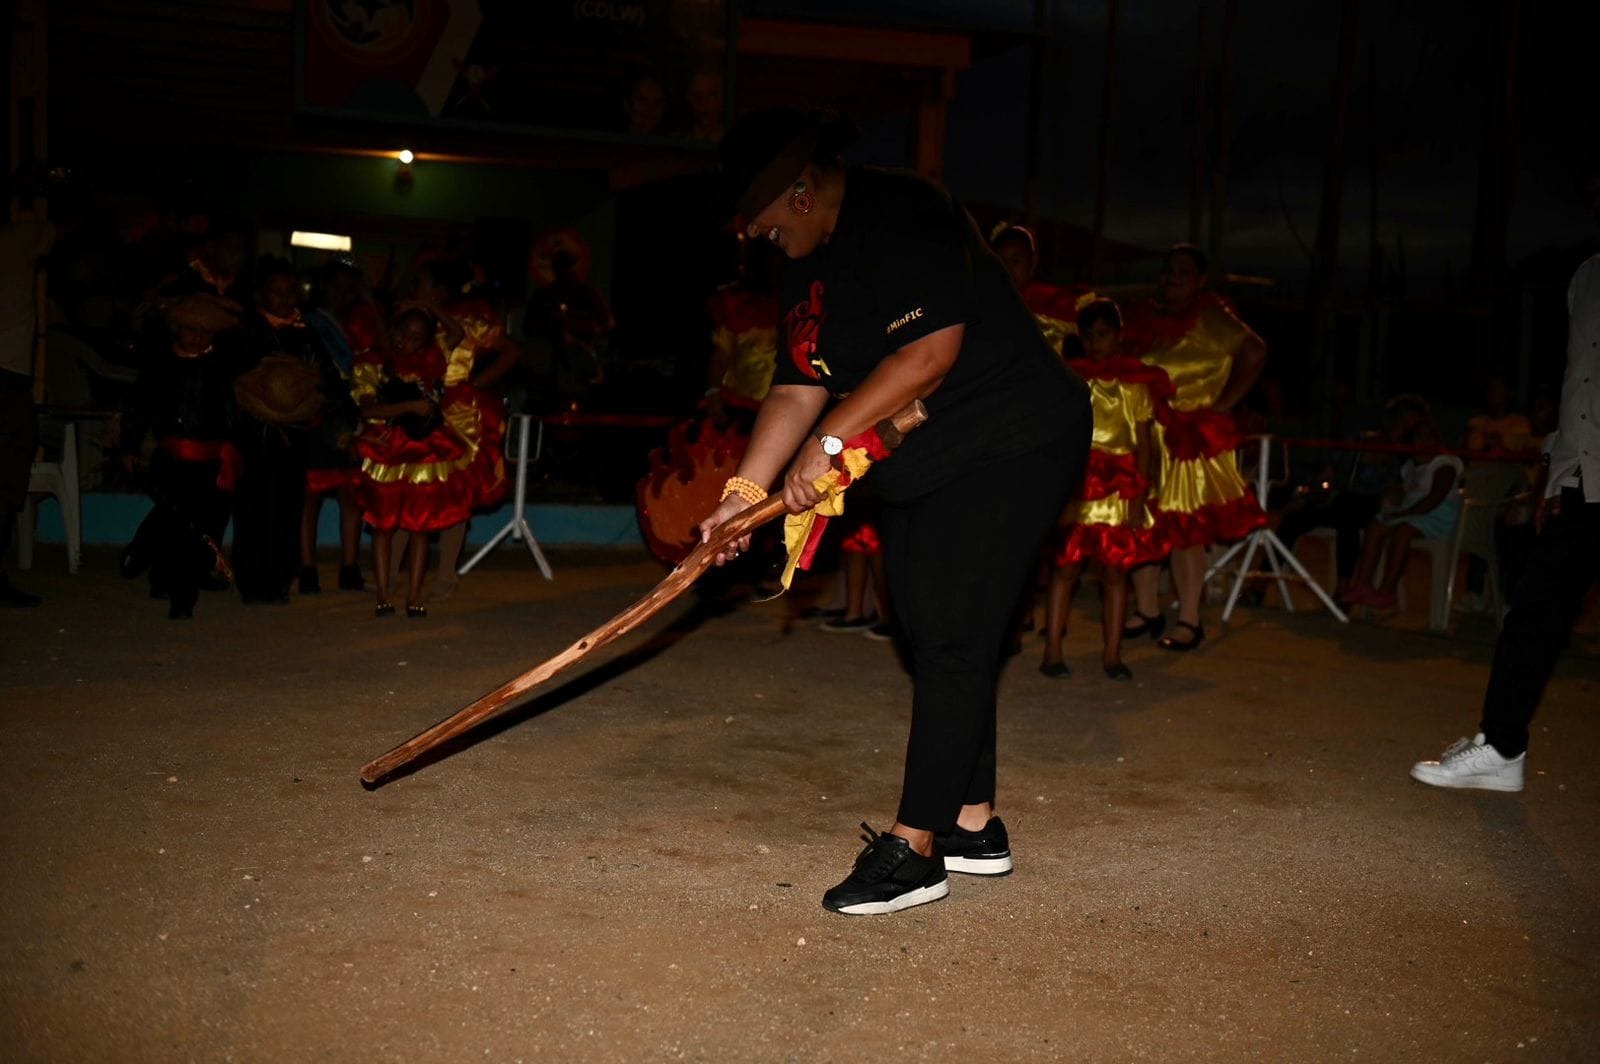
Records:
x=1423, y=502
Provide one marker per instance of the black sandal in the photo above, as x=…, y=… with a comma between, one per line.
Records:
x=1056, y=670
x=383, y=609
x=1119, y=672
x=416, y=612
x=1151, y=626
x=1198, y=630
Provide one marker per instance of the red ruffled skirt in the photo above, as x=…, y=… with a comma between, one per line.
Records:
x=1106, y=526
x=1202, y=498
x=417, y=485
x=488, y=470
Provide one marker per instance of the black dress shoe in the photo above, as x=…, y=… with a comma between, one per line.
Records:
x=310, y=583
x=1119, y=672
x=1197, y=633
x=350, y=578
x=12, y=599
x=1150, y=626
x=132, y=562
x=383, y=609
x=1056, y=670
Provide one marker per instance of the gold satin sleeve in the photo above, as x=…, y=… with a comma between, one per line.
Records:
x=364, y=380
x=1055, y=330
x=752, y=356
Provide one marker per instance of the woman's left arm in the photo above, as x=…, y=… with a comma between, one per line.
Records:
x=1248, y=363
x=1444, y=482
x=915, y=371
x=506, y=354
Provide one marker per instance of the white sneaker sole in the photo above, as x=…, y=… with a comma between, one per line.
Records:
x=979, y=866
x=920, y=896
x=1465, y=783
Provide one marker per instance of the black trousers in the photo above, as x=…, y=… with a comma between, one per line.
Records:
x=1346, y=512
x=266, y=512
x=1545, y=605
x=188, y=503
x=957, y=560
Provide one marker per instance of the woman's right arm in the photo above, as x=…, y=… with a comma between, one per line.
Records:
x=785, y=421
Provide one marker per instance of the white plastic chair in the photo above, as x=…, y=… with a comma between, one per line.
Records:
x=1486, y=492
x=61, y=480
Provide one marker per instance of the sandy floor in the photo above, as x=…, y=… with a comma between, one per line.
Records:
x=1224, y=860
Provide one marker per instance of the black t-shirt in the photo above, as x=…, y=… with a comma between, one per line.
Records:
x=905, y=261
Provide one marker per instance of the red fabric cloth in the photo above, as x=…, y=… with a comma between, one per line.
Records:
x=1145, y=326
x=415, y=507
x=864, y=540
x=873, y=444
x=1117, y=546
x=1197, y=433
x=230, y=463
x=323, y=481
x=1129, y=369
x=1106, y=475
x=1219, y=523
x=739, y=310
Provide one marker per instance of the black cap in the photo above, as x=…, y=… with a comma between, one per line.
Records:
x=765, y=152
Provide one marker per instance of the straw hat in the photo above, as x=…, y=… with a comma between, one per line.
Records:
x=203, y=313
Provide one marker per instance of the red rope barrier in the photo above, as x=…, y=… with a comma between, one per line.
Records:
x=1381, y=447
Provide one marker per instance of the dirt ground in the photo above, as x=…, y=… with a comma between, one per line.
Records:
x=1224, y=860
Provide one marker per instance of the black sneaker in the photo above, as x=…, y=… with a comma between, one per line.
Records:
x=846, y=624
x=350, y=578
x=14, y=598
x=977, y=853
x=889, y=876
x=886, y=632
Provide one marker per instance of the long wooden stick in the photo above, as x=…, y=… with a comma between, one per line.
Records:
x=891, y=431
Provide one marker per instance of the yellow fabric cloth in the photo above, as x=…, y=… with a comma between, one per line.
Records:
x=1508, y=432
x=480, y=332
x=1111, y=510
x=751, y=356
x=1199, y=363
x=364, y=380
x=1119, y=408
x=797, y=527
x=1188, y=485
x=1201, y=360
x=1055, y=330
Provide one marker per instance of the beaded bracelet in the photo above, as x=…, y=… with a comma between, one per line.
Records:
x=746, y=489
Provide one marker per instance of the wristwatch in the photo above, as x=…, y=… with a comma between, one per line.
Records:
x=832, y=446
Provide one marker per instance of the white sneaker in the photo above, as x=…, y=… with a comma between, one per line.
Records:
x=1472, y=763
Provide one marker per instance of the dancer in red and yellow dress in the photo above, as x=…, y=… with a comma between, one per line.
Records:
x=1055, y=307
x=1213, y=359
x=479, y=361
x=418, y=469
x=1112, y=522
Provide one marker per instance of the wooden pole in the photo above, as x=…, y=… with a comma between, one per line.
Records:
x=1325, y=254
x=1197, y=146
x=1102, y=193
x=677, y=582
x=1034, y=161
x=1496, y=168
x=1219, y=174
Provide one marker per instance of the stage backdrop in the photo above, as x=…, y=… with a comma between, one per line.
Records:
x=654, y=70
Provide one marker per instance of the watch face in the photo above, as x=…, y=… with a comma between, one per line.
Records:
x=832, y=445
